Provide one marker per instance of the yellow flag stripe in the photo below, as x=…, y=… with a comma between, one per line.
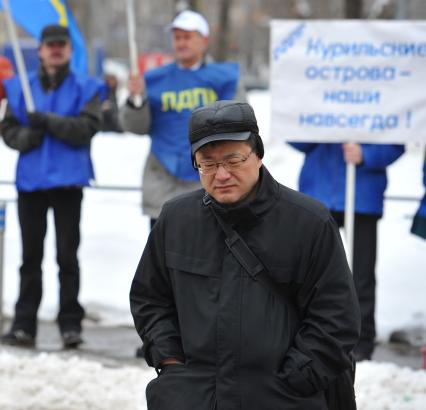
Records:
x=62, y=12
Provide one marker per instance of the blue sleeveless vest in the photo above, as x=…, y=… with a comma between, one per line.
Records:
x=173, y=93
x=54, y=163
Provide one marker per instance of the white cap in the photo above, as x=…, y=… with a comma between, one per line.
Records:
x=191, y=21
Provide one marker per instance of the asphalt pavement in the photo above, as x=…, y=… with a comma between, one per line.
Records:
x=116, y=346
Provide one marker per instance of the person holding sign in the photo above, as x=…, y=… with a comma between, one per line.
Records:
x=169, y=94
x=323, y=177
x=53, y=166
x=419, y=222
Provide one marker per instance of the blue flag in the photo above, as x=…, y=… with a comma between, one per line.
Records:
x=33, y=15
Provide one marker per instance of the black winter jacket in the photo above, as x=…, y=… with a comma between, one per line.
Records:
x=243, y=348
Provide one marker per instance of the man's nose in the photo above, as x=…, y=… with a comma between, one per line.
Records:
x=222, y=172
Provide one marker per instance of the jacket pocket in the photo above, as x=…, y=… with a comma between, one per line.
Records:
x=178, y=387
x=191, y=264
x=160, y=391
x=196, y=289
x=296, y=374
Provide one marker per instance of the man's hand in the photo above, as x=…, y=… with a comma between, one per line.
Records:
x=352, y=153
x=36, y=137
x=170, y=361
x=32, y=138
x=37, y=120
x=135, y=85
x=106, y=105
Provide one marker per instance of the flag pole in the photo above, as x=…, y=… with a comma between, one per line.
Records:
x=17, y=52
x=350, y=211
x=133, y=50
x=2, y=229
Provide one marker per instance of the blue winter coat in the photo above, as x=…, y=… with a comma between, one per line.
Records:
x=323, y=175
x=422, y=208
x=419, y=222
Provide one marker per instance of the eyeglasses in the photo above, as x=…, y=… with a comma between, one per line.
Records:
x=230, y=163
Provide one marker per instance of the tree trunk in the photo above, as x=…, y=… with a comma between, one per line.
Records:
x=353, y=9
x=223, y=30
x=194, y=5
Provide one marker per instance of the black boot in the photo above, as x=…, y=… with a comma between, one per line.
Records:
x=18, y=337
x=71, y=339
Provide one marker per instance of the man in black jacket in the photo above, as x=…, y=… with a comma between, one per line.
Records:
x=221, y=338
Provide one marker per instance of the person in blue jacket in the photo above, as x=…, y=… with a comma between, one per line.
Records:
x=323, y=176
x=54, y=165
x=419, y=221
x=168, y=96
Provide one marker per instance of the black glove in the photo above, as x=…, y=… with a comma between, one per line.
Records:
x=37, y=120
x=28, y=139
x=36, y=137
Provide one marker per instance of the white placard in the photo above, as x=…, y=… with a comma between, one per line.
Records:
x=348, y=80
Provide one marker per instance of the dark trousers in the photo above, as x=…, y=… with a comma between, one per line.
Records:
x=32, y=213
x=364, y=271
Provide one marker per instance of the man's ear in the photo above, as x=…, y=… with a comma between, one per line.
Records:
x=206, y=42
x=260, y=163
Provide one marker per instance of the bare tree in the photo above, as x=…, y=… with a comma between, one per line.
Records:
x=387, y=9
x=194, y=5
x=353, y=9
x=181, y=5
x=301, y=9
x=223, y=30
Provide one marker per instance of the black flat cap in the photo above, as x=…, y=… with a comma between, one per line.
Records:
x=221, y=121
x=54, y=32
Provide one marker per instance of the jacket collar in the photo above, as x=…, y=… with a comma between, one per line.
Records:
x=249, y=211
x=49, y=82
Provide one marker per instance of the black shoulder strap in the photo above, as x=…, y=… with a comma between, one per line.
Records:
x=340, y=394
x=247, y=259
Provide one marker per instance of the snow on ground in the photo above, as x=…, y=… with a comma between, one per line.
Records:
x=54, y=382
x=386, y=386
x=113, y=236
